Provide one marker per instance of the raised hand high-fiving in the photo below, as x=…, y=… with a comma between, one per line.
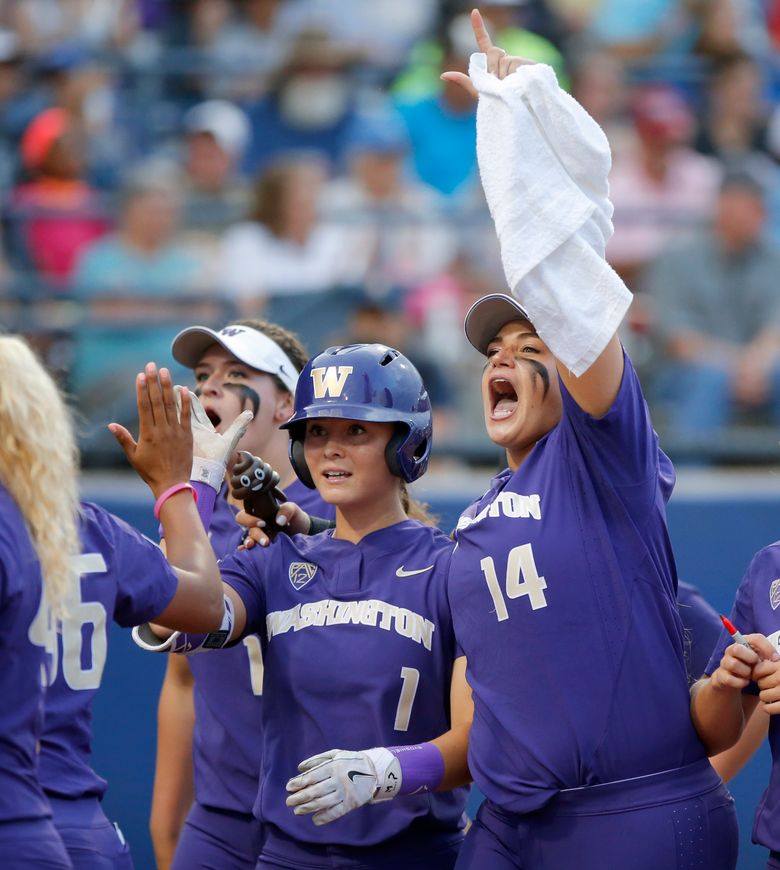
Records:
x=162, y=456
x=499, y=63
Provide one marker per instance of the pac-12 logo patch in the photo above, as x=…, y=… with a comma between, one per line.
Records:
x=300, y=573
x=774, y=594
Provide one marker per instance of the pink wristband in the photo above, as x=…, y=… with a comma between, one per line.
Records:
x=172, y=490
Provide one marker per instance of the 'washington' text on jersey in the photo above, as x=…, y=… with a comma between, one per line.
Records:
x=507, y=504
x=375, y=613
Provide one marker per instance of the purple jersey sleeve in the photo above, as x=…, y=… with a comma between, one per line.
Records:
x=624, y=444
x=228, y=691
x=25, y=635
x=124, y=577
x=755, y=610
x=564, y=559
x=145, y=583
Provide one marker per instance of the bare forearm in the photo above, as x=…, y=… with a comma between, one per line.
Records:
x=717, y=715
x=454, y=750
x=198, y=603
x=731, y=761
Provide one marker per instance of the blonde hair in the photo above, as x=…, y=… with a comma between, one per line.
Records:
x=415, y=509
x=39, y=464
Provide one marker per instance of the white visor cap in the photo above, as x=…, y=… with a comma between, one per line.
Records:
x=247, y=345
x=488, y=315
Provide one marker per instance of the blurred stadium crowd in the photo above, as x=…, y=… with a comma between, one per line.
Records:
x=167, y=162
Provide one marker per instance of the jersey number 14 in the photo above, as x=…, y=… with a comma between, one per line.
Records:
x=522, y=578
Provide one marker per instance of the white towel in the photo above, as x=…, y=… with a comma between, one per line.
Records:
x=544, y=164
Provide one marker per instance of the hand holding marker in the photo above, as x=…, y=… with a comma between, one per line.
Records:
x=736, y=635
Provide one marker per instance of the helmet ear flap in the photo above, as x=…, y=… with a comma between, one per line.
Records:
x=298, y=460
x=407, y=452
x=391, y=451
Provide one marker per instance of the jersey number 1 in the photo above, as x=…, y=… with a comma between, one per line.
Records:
x=519, y=564
x=256, y=670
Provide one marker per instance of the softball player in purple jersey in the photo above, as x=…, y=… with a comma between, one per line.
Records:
x=124, y=577
x=355, y=624
x=563, y=584
x=566, y=556
x=743, y=683
x=213, y=704
x=38, y=468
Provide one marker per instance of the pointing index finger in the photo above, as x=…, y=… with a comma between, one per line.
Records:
x=484, y=42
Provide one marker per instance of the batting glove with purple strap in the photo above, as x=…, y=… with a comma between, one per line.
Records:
x=334, y=783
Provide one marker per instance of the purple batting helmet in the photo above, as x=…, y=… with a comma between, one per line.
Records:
x=370, y=382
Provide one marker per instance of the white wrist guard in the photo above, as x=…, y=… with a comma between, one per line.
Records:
x=208, y=471
x=187, y=642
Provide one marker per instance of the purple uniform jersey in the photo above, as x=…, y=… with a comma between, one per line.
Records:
x=25, y=636
x=229, y=687
x=125, y=577
x=563, y=595
x=358, y=647
x=756, y=611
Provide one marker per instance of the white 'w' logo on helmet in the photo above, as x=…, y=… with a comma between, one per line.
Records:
x=329, y=381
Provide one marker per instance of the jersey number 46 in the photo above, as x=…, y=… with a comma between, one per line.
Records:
x=84, y=619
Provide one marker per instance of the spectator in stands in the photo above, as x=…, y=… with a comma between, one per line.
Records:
x=143, y=258
x=599, y=85
x=216, y=134
x=137, y=285
x=442, y=126
x=103, y=24
x=735, y=118
x=249, y=49
x=70, y=76
x=189, y=32
x=56, y=214
x=382, y=30
x=718, y=313
x=284, y=248
x=729, y=27
x=398, y=221
x=310, y=106
x=660, y=187
x=635, y=29
x=16, y=107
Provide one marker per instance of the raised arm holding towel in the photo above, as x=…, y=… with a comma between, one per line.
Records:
x=544, y=163
x=563, y=583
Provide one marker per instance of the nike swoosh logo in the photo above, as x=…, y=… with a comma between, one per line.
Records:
x=353, y=773
x=402, y=572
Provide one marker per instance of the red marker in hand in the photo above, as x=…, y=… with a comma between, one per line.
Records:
x=736, y=635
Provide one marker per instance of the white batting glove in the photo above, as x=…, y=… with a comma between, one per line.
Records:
x=336, y=782
x=210, y=449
